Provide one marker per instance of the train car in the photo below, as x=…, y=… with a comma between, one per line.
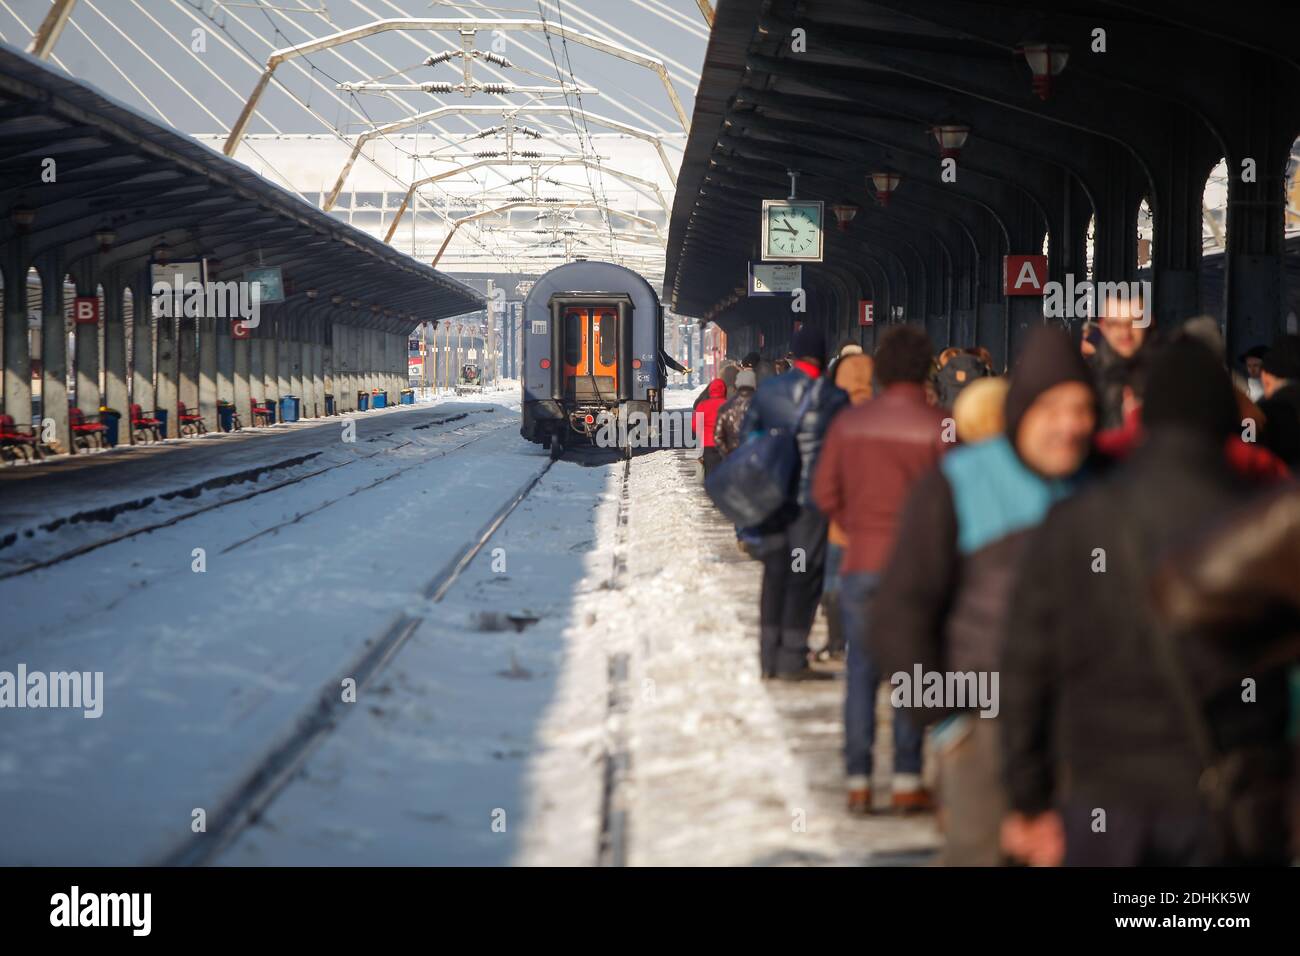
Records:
x=592, y=346
x=470, y=380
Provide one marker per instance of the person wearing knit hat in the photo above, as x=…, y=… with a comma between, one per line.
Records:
x=1102, y=706
x=809, y=343
x=1050, y=376
x=1188, y=387
x=944, y=600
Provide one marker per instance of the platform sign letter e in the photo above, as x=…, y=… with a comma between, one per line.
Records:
x=1024, y=275
x=85, y=310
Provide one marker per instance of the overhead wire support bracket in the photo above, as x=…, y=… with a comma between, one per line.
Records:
x=284, y=54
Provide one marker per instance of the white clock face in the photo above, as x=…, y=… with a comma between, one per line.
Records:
x=794, y=231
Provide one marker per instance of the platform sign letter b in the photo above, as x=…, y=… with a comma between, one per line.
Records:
x=85, y=310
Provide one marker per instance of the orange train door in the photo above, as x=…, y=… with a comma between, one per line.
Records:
x=591, y=354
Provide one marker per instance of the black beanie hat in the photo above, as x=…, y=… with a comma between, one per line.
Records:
x=1283, y=359
x=1187, y=385
x=809, y=342
x=1047, y=359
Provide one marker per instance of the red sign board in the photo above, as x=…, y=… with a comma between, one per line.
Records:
x=866, y=312
x=238, y=330
x=1024, y=275
x=85, y=310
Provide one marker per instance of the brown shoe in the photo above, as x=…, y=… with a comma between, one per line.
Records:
x=860, y=801
x=912, y=801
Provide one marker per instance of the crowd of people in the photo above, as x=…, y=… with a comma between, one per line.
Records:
x=1080, y=581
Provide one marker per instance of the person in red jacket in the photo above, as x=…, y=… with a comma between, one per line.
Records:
x=706, y=417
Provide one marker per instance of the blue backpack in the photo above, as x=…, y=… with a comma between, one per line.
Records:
x=751, y=484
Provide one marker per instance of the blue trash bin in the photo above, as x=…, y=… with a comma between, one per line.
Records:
x=408, y=397
x=381, y=400
x=363, y=401
x=289, y=407
x=226, y=416
x=161, y=415
x=110, y=421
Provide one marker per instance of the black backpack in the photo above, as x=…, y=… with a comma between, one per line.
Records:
x=962, y=369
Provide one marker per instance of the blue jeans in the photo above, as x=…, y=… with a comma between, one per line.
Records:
x=864, y=677
x=834, y=556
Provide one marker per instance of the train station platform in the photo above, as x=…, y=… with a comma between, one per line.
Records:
x=143, y=269
x=583, y=665
x=52, y=509
x=728, y=769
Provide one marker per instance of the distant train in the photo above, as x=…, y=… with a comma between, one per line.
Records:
x=593, y=347
x=470, y=380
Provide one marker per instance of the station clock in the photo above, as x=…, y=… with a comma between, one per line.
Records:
x=792, y=230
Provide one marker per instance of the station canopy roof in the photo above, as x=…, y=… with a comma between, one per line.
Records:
x=116, y=173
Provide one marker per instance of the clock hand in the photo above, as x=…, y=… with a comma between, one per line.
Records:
x=783, y=224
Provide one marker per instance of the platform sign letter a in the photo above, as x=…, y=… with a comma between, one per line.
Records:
x=1024, y=275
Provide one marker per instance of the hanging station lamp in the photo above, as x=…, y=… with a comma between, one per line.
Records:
x=1046, y=61
x=885, y=181
x=844, y=213
x=951, y=137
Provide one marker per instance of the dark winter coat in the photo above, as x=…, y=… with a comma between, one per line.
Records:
x=945, y=593
x=873, y=455
x=1242, y=574
x=1111, y=374
x=727, y=433
x=1282, y=424
x=1089, y=714
x=776, y=404
x=960, y=370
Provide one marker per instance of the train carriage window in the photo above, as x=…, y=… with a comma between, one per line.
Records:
x=608, y=338
x=572, y=337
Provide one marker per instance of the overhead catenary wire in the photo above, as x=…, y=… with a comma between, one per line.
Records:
x=307, y=86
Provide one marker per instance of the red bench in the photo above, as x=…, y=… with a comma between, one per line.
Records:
x=15, y=441
x=85, y=432
x=145, y=426
x=262, y=413
x=191, y=423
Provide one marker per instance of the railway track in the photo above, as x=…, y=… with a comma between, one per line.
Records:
x=259, y=787
x=127, y=533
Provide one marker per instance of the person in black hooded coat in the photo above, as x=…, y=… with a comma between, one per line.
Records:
x=1094, y=697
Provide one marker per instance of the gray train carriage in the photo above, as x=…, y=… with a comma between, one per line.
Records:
x=593, y=342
